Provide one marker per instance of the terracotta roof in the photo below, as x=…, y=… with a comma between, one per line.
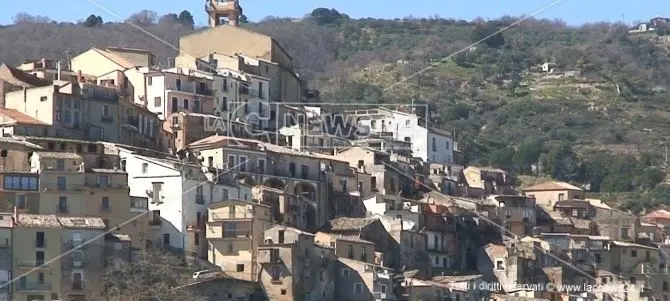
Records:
x=354, y=239
x=661, y=213
x=495, y=251
x=19, y=117
x=554, y=185
x=349, y=223
x=456, y=278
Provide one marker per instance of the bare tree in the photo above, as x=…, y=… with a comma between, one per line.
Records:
x=143, y=18
x=25, y=18
x=156, y=275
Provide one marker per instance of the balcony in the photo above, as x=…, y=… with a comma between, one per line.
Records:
x=63, y=188
x=234, y=234
x=155, y=224
x=132, y=123
x=34, y=287
x=77, y=286
x=196, y=227
x=33, y=264
x=244, y=214
x=63, y=209
x=106, y=119
x=205, y=92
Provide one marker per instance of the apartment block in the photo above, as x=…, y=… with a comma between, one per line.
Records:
x=294, y=267
x=235, y=229
x=39, y=240
x=174, y=90
x=6, y=265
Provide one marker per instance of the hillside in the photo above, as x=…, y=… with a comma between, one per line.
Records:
x=605, y=100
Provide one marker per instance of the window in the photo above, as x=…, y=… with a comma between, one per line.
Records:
x=345, y=272
x=624, y=232
x=39, y=240
x=39, y=258
x=62, y=183
x=373, y=183
x=597, y=258
x=145, y=167
x=358, y=288
x=665, y=286
x=304, y=171
x=166, y=239
x=240, y=267
x=21, y=201
x=243, y=163
x=23, y=183
x=77, y=280
x=261, y=166
x=260, y=90
x=196, y=106
x=178, y=84
x=633, y=253
x=196, y=239
x=447, y=145
x=62, y=204
x=434, y=145
x=103, y=180
x=373, y=124
x=40, y=278
x=105, y=110
x=350, y=253
x=281, y=236
x=43, y=98
x=185, y=106
x=175, y=104
x=499, y=265
x=275, y=273
x=60, y=165
x=231, y=162
x=291, y=169
x=158, y=102
x=225, y=85
x=104, y=206
x=561, y=196
x=383, y=288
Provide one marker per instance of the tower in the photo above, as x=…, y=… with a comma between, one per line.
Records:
x=230, y=10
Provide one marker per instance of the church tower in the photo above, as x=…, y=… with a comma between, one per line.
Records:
x=223, y=12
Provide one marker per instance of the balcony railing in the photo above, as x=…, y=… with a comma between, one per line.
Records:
x=63, y=209
x=236, y=233
x=32, y=263
x=244, y=214
x=106, y=118
x=66, y=187
x=34, y=287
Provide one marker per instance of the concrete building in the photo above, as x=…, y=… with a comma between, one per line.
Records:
x=235, y=229
x=38, y=239
x=322, y=181
x=428, y=143
x=6, y=225
x=177, y=198
x=358, y=280
x=548, y=193
x=173, y=90
x=293, y=267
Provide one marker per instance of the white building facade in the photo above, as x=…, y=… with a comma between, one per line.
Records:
x=429, y=144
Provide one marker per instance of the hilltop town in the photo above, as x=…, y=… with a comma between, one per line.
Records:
x=222, y=178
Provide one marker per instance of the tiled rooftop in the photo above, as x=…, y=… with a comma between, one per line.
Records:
x=38, y=221
x=82, y=223
x=58, y=155
x=553, y=185
x=349, y=223
x=354, y=239
x=19, y=117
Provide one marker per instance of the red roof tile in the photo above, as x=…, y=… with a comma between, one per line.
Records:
x=19, y=117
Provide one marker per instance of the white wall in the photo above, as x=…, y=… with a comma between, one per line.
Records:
x=172, y=208
x=157, y=89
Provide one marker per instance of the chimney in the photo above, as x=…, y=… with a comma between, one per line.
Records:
x=2, y=94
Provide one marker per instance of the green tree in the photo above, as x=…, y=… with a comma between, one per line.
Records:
x=186, y=19
x=526, y=155
x=502, y=157
x=562, y=163
x=93, y=21
x=324, y=16
x=490, y=35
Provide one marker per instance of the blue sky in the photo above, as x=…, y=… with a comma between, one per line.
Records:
x=571, y=11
